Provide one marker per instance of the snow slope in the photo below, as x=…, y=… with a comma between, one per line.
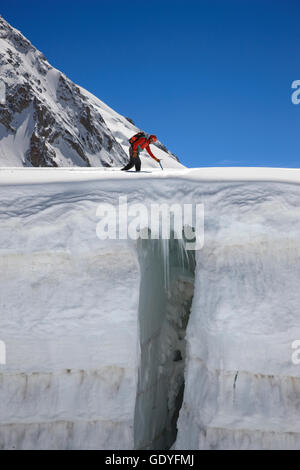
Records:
x=101, y=355
x=47, y=120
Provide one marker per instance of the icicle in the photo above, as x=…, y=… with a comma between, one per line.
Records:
x=165, y=253
x=184, y=257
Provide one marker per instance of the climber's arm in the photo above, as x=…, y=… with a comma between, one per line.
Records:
x=151, y=154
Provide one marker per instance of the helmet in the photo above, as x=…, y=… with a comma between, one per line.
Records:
x=153, y=138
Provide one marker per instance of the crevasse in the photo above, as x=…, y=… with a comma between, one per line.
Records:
x=166, y=291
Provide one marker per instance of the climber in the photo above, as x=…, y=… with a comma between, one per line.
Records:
x=139, y=142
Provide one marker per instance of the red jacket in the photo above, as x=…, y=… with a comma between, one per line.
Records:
x=141, y=144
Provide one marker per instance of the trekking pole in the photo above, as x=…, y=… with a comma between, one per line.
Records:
x=160, y=165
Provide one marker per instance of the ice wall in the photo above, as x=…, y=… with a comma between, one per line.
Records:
x=242, y=390
x=77, y=336
x=69, y=320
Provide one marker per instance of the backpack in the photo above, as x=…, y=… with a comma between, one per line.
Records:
x=137, y=136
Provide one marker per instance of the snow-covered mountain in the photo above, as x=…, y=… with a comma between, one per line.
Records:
x=47, y=120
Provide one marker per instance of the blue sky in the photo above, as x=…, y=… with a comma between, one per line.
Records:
x=211, y=78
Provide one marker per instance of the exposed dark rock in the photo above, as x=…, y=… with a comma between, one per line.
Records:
x=130, y=120
x=19, y=97
x=39, y=153
x=6, y=118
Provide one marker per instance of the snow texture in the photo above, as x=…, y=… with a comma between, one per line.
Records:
x=90, y=347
